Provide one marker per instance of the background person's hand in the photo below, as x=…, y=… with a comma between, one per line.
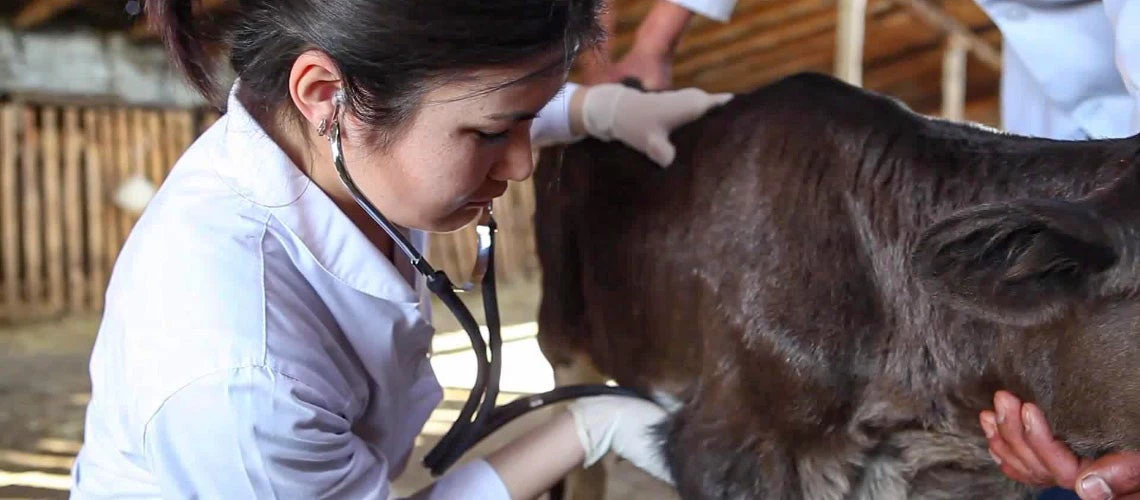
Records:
x=650, y=58
x=653, y=69
x=1023, y=444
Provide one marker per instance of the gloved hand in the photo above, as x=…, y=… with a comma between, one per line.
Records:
x=623, y=425
x=644, y=120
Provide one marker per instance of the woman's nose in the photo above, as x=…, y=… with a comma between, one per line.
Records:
x=517, y=163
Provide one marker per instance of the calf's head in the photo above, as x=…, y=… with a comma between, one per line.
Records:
x=1066, y=271
x=1028, y=262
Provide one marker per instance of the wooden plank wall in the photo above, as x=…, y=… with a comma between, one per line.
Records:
x=60, y=234
x=766, y=40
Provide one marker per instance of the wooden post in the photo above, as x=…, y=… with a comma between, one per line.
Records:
x=187, y=132
x=171, y=147
x=108, y=135
x=73, y=210
x=94, y=131
x=140, y=147
x=155, y=150
x=33, y=221
x=849, y=41
x=954, y=78
x=37, y=12
x=10, y=222
x=209, y=117
x=53, y=207
x=926, y=11
x=125, y=142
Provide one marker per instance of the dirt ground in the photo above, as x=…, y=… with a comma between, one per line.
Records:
x=44, y=389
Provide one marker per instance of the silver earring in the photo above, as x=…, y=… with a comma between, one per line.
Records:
x=338, y=104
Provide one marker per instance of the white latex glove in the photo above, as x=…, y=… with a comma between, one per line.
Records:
x=622, y=425
x=644, y=120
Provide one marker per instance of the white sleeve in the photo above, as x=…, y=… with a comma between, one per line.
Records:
x=256, y=433
x=719, y=10
x=1124, y=16
x=552, y=126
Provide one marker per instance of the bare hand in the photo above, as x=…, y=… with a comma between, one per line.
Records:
x=653, y=70
x=1023, y=444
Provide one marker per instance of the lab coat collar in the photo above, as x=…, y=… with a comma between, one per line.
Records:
x=258, y=170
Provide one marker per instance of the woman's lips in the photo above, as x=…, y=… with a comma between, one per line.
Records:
x=483, y=200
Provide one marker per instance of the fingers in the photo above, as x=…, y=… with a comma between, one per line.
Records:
x=1001, y=452
x=1118, y=474
x=1054, y=454
x=1093, y=487
x=692, y=103
x=660, y=150
x=722, y=98
x=1023, y=444
x=1011, y=429
x=644, y=120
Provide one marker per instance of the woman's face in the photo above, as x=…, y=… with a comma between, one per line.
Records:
x=457, y=153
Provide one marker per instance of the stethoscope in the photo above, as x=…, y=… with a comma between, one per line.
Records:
x=465, y=432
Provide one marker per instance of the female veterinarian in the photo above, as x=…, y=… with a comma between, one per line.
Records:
x=262, y=338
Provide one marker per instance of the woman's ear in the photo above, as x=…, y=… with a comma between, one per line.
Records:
x=313, y=84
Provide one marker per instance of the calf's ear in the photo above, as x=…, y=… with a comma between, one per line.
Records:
x=1018, y=263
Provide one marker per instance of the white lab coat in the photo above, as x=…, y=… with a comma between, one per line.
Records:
x=255, y=344
x=719, y=10
x=1070, y=72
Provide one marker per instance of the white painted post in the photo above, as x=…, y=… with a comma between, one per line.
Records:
x=954, y=78
x=849, y=41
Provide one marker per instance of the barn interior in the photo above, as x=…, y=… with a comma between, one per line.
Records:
x=89, y=101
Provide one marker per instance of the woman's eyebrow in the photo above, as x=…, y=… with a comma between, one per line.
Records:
x=517, y=116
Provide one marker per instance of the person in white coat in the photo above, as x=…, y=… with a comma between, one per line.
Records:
x=261, y=337
x=1070, y=71
x=1070, y=68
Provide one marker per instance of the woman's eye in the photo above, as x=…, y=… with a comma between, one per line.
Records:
x=493, y=136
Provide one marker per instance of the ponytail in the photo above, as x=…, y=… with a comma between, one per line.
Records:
x=185, y=42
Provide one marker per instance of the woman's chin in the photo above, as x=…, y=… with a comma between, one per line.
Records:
x=458, y=220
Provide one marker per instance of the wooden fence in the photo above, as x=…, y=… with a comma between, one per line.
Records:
x=60, y=234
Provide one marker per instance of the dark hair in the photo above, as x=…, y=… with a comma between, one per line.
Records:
x=388, y=51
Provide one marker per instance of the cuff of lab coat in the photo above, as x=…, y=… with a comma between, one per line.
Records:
x=719, y=10
x=553, y=123
x=474, y=479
